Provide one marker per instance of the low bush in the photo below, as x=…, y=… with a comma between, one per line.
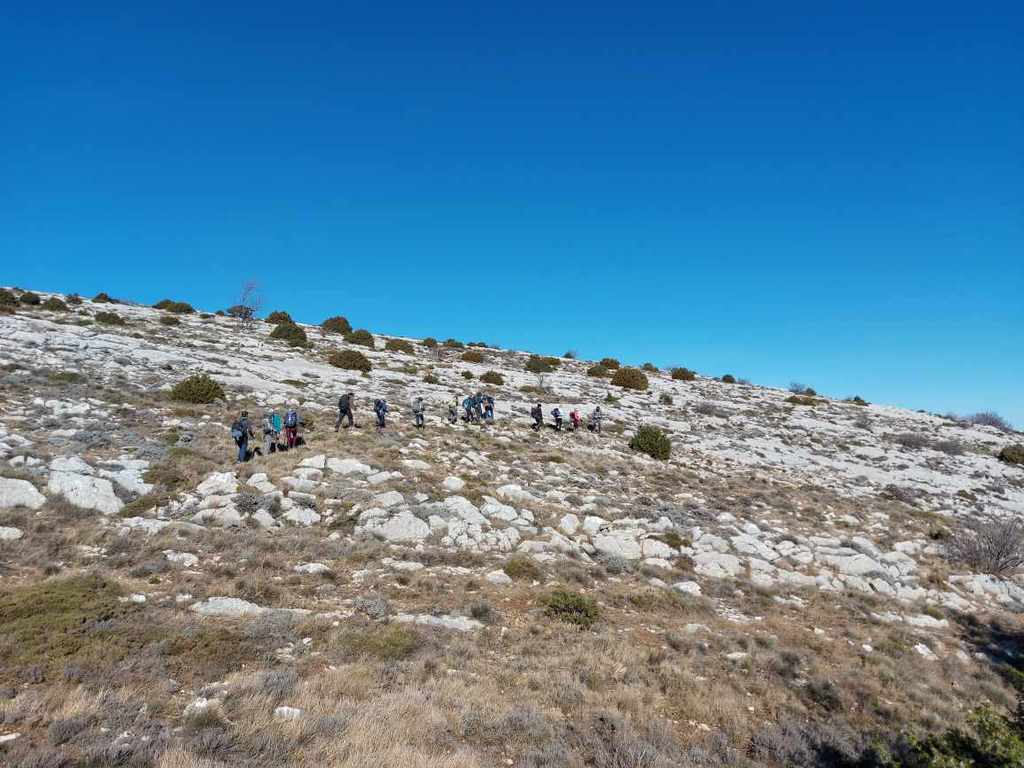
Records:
x=430, y=378
x=570, y=354
x=430, y=342
x=198, y=389
x=74, y=299
x=911, y=440
x=802, y=400
x=990, y=419
x=177, y=307
x=7, y=298
x=169, y=320
x=649, y=367
x=665, y=398
x=572, y=608
x=652, y=441
x=7, y=309
x=360, y=337
x=598, y=371
x=610, y=363
x=801, y=389
x=350, y=360
x=994, y=547
x=109, y=318
x=388, y=643
x=291, y=333
x=454, y=344
x=493, y=377
x=522, y=568
x=949, y=447
x=538, y=364
x=989, y=740
x=53, y=304
x=278, y=316
x=336, y=324
x=103, y=298
x=630, y=378
x=683, y=374
x=1012, y=454
x=467, y=375
x=400, y=345
x=239, y=312
x=472, y=356
x=728, y=379
x=31, y=299
x=857, y=400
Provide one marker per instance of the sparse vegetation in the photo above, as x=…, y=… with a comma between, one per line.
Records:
x=570, y=354
x=610, y=363
x=728, y=379
x=350, y=360
x=538, y=364
x=598, y=372
x=175, y=307
x=652, y=441
x=197, y=389
x=649, y=367
x=336, y=324
x=53, y=304
x=990, y=419
x=857, y=400
x=493, y=377
x=430, y=342
x=30, y=299
x=572, y=608
x=279, y=316
x=683, y=374
x=1012, y=454
x=7, y=298
x=361, y=337
x=454, y=344
x=803, y=400
x=630, y=378
x=665, y=398
x=523, y=568
x=169, y=320
x=472, y=356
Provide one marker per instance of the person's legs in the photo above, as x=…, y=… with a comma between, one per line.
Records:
x=337, y=423
x=243, y=449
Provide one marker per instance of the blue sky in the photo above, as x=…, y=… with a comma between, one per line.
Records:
x=830, y=193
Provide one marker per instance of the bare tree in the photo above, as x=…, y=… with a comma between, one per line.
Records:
x=994, y=547
x=248, y=305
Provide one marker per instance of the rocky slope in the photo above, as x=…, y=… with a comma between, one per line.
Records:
x=769, y=517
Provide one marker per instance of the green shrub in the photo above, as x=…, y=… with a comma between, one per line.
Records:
x=467, y=375
x=430, y=378
x=350, y=360
x=630, y=378
x=53, y=304
x=102, y=298
x=400, y=345
x=598, y=371
x=665, y=398
x=649, y=367
x=857, y=400
x=198, y=389
x=430, y=342
x=74, y=299
x=454, y=344
x=291, y=333
x=538, y=364
x=32, y=299
x=360, y=337
x=652, y=441
x=572, y=608
x=570, y=354
x=610, y=363
x=802, y=400
x=493, y=377
x=278, y=316
x=109, y=318
x=683, y=374
x=177, y=307
x=1012, y=454
x=7, y=298
x=522, y=568
x=169, y=320
x=388, y=643
x=336, y=324
x=472, y=356
x=728, y=379
x=7, y=309
x=990, y=740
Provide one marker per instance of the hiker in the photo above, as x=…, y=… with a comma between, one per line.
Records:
x=453, y=410
x=538, y=417
x=345, y=405
x=270, y=433
x=478, y=402
x=557, y=416
x=417, y=412
x=489, y=408
x=241, y=431
x=594, y=421
x=467, y=405
x=291, y=427
x=574, y=418
x=380, y=407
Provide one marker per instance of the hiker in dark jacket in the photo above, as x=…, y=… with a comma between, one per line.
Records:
x=291, y=428
x=557, y=416
x=345, y=405
x=467, y=406
x=380, y=407
x=417, y=412
x=489, y=408
x=241, y=431
x=271, y=433
x=453, y=410
x=594, y=421
x=538, y=416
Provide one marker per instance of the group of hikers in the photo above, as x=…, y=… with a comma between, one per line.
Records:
x=476, y=409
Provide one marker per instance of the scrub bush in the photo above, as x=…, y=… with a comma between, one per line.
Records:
x=336, y=324
x=360, y=337
x=197, y=389
x=652, y=441
x=350, y=360
x=630, y=378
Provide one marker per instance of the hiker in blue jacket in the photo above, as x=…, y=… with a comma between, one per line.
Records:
x=489, y=408
x=380, y=407
x=241, y=431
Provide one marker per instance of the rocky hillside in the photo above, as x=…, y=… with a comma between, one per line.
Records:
x=779, y=591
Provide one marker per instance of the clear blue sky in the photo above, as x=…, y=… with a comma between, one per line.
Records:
x=827, y=192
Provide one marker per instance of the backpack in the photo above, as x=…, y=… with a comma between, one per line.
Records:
x=237, y=431
x=380, y=405
x=343, y=403
x=277, y=422
x=291, y=419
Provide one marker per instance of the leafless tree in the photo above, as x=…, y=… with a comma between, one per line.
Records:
x=995, y=547
x=248, y=305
